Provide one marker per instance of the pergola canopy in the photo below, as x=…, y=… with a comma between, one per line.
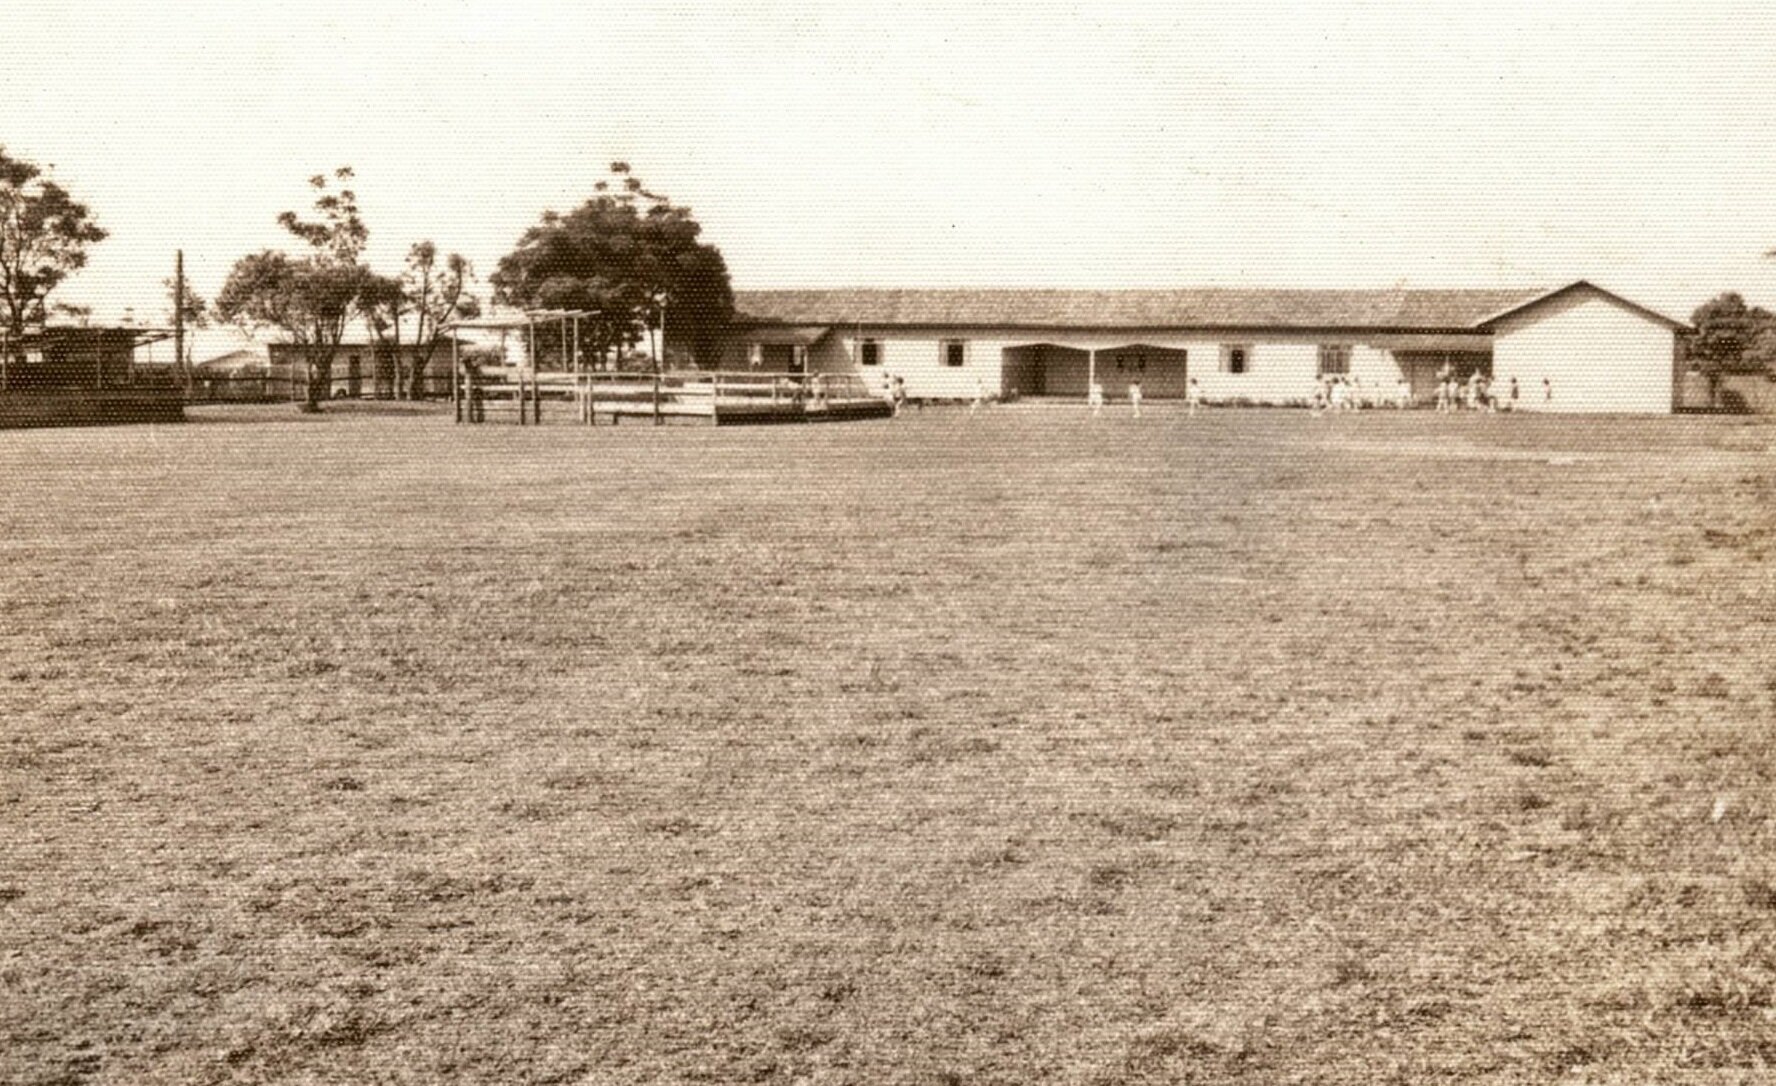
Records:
x=524, y=319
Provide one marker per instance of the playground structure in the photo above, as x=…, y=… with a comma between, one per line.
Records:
x=584, y=395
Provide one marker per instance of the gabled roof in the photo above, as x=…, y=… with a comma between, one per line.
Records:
x=1580, y=284
x=244, y=358
x=1401, y=310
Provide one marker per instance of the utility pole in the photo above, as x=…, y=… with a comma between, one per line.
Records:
x=182, y=372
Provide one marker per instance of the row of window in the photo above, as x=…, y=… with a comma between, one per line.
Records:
x=951, y=352
x=1335, y=358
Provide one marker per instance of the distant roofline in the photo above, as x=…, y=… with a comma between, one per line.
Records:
x=1120, y=329
x=344, y=344
x=142, y=334
x=847, y=298
x=851, y=305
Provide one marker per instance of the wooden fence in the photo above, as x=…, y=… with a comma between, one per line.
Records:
x=698, y=395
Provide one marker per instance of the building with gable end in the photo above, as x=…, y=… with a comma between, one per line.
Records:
x=1578, y=348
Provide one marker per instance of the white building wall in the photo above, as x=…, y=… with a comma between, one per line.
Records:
x=1285, y=367
x=917, y=359
x=1276, y=372
x=1375, y=368
x=1596, y=354
x=1282, y=366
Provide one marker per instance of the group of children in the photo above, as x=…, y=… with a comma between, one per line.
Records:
x=1480, y=393
x=1094, y=396
x=1338, y=392
x=1332, y=392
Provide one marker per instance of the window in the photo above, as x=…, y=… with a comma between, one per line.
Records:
x=755, y=355
x=870, y=352
x=1236, y=357
x=953, y=352
x=1335, y=358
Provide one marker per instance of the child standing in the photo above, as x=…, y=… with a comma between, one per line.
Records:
x=1135, y=397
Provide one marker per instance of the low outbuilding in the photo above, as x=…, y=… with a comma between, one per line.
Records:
x=79, y=375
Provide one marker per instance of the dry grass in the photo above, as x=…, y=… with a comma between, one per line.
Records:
x=1245, y=748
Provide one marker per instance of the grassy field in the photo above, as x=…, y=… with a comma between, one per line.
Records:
x=1024, y=748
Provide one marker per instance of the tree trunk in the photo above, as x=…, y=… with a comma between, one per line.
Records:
x=416, y=373
x=320, y=384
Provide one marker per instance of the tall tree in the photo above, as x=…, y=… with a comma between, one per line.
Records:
x=432, y=296
x=1726, y=328
x=309, y=299
x=627, y=254
x=44, y=234
x=383, y=304
x=439, y=294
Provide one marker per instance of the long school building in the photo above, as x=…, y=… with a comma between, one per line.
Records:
x=1578, y=348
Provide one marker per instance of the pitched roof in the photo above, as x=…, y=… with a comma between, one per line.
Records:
x=1581, y=284
x=244, y=358
x=1201, y=308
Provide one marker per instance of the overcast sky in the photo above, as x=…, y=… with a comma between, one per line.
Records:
x=1030, y=144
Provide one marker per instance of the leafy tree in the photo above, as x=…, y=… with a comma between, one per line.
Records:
x=1760, y=353
x=627, y=254
x=44, y=234
x=440, y=294
x=383, y=303
x=1725, y=330
x=430, y=294
x=309, y=299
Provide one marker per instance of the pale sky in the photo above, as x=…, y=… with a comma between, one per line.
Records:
x=913, y=145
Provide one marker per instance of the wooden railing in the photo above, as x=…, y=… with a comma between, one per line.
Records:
x=696, y=393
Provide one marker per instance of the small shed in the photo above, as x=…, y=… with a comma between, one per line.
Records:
x=62, y=375
x=240, y=376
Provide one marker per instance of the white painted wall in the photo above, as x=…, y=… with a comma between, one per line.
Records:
x=1282, y=365
x=917, y=358
x=1596, y=353
x=1276, y=372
